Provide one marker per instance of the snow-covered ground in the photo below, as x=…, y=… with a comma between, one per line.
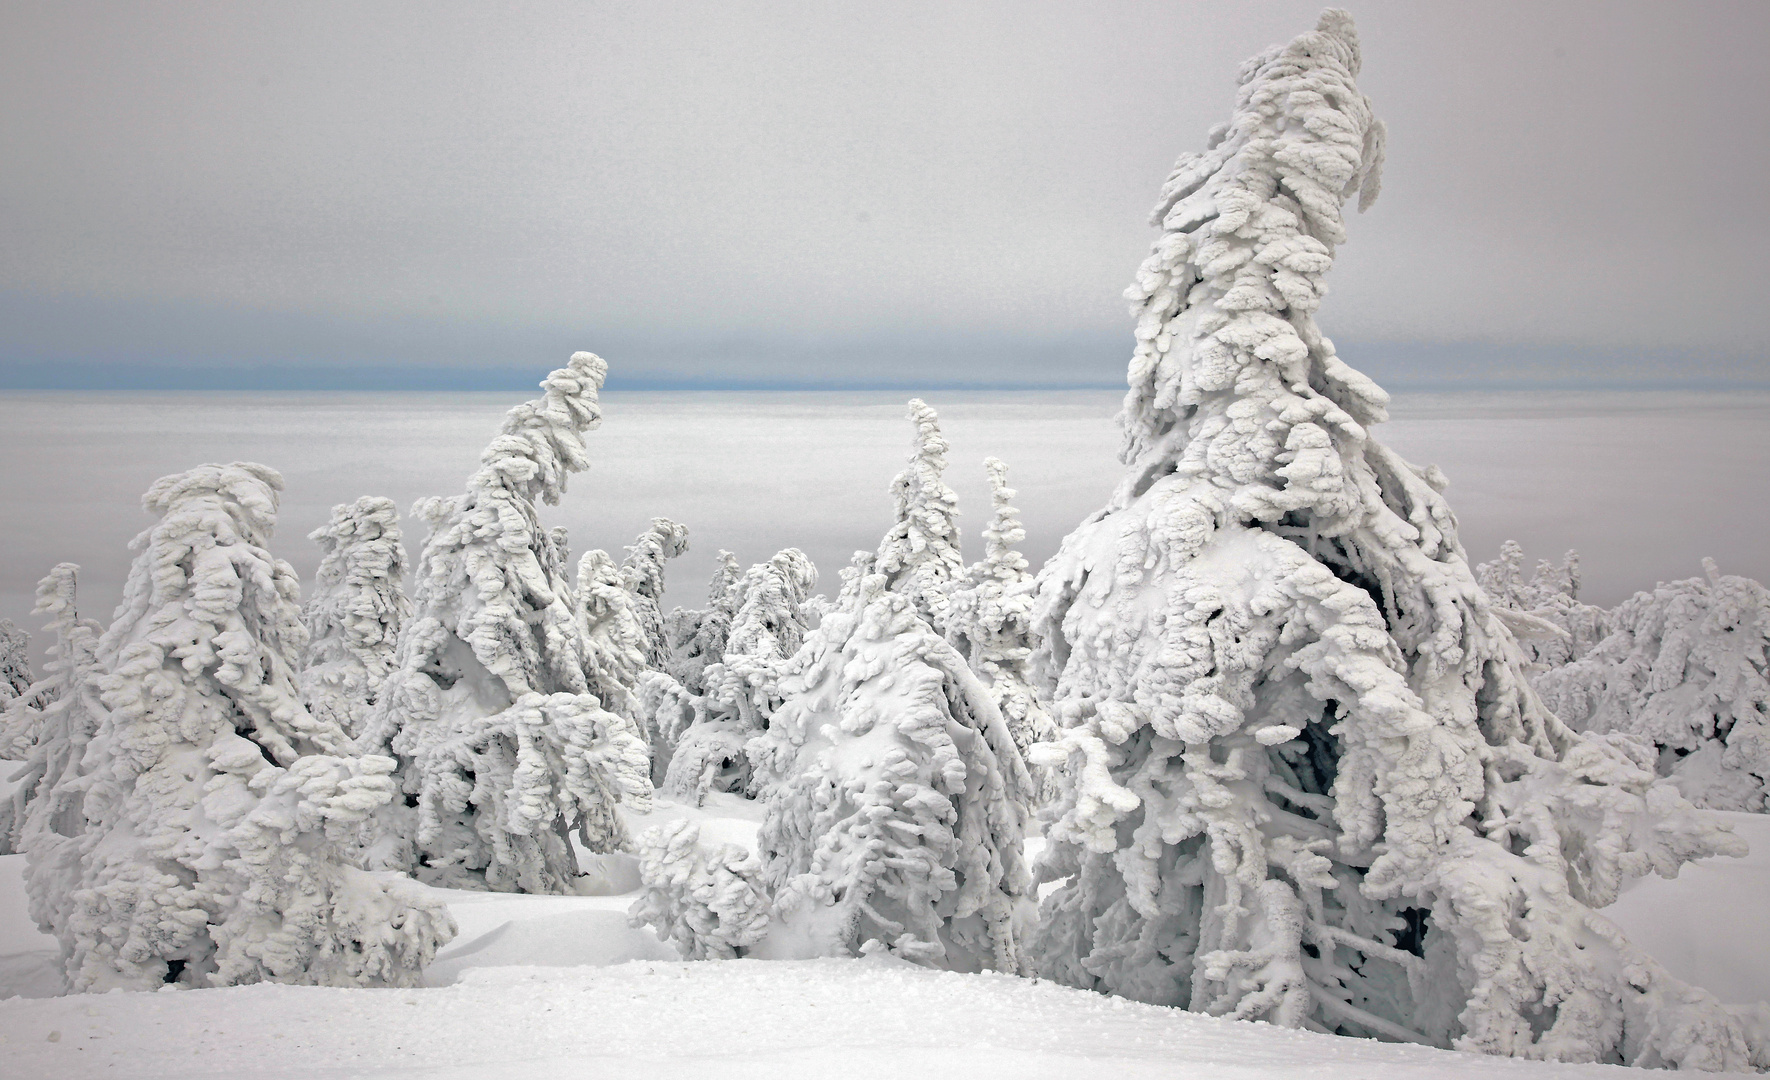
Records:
x=561, y=986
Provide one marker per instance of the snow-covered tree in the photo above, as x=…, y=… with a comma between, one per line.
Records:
x=15, y=661
x=218, y=816
x=696, y=637
x=1307, y=780
x=1687, y=667
x=742, y=688
x=614, y=641
x=709, y=904
x=920, y=553
x=503, y=750
x=895, y=799
x=355, y=611
x=643, y=574
x=991, y=621
x=48, y=726
x=1544, y=611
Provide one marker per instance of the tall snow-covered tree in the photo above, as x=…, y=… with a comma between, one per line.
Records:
x=895, y=798
x=742, y=688
x=355, y=611
x=1307, y=780
x=991, y=621
x=696, y=636
x=643, y=574
x=1544, y=611
x=15, y=661
x=48, y=726
x=1687, y=667
x=920, y=553
x=503, y=750
x=217, y=817
x=614, y=641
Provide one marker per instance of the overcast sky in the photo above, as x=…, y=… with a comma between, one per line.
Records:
x=879, y=194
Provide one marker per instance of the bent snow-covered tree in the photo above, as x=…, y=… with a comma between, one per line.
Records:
x=919, y=555
x=643, y=574
x=991, y=621
x=49, y=725
x=503, y=751
x=1308, y=782
x=1687, y=667
x=355, y=612
x=217, y=818
x=896, y=798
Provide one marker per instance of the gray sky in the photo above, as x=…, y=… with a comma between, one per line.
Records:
x=897, y=194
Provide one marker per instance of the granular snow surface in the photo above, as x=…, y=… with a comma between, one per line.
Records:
x=562, y=986
x=742, y=1018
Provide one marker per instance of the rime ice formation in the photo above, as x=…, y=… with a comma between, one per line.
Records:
x=47, y=727
x=15, y=663
x=614, y=640
x=206, y=836
x=709, y=904
x=920, y=554
x=697, y=637
x=355, y=612
x=990, y=622
x=895, y=798
x=766, y=629
x=503, y=751
x=643, y=574
x=1308, y=782
x=1686, y=668
x=1543, y=613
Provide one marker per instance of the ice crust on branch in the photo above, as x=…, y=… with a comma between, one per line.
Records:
x=503, y=750
x=48, y=726
x=919, y=556
x=355, y=611
x=207, y=834
x=1307, y=780
x=1685, y=668
x=990, y=622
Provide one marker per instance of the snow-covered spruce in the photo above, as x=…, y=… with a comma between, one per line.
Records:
x=642, y=572
x=991, y=623
x=919, y=555
x=696, y=637
x=1544, y=612
x=1307, y=779
x=15, y=661
x=896, y=800
x=217, y=817
x=742, y=688
x=614, y=642
x=47, y=727
x=1686, y=667
x=354, y=612
x=503, y=751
